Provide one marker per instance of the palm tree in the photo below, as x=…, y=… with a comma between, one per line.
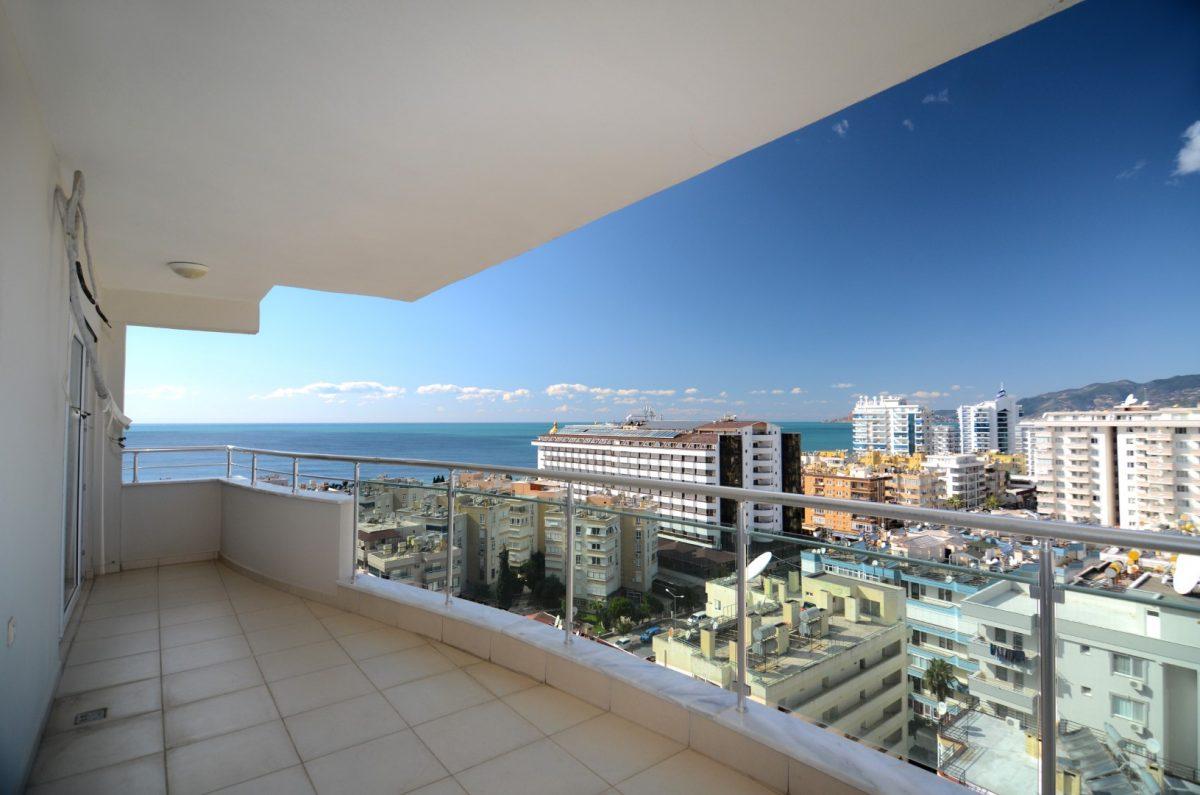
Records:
x=939, y=679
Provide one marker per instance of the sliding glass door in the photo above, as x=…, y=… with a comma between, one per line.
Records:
x=75, y=479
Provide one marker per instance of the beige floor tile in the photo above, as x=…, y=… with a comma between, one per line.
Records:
x=103, y=593
x=194, y=583
x=85, y=749
x=145, y=775
x=106, y=673
x=457, y=656
x=86, y=651
x=229, y=759
x=436, y=696
x=341, y=725
x=290, y=636
x=209, y=717
x=120, y=625
x=309, y=691
x=193, y=597
x=498, y=679
x=395, y=763
x=549, y=709
x=614, y=747
x=198, y=631
x=199, y=655
x=322, y=610
x=171, y=616
x=364, y=645
x=476, y=734
x=261, y=601
x=302, y=660
x=447, y=786
x=125, y=607
x=389, y=670
x=350, y=624
x=289, y=781
x=687, y=773
x=121, y=701
x=275, y=617
x=211, y=680
x=541, y=768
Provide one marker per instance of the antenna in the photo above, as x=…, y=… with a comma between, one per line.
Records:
x=1187, y=574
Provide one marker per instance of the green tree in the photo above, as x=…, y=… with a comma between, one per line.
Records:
x=508, y=586
x=939, y=679
x=651, y=605
x=954, y=503
x=549, y=593
x=533, y=571
x=992, y=502
x=620, y=607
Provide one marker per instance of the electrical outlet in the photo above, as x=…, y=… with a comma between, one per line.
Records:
x=11, y=638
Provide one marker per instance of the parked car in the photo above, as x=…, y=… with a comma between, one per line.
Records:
x=624, y=640
x=650, y=633
x=695, y=618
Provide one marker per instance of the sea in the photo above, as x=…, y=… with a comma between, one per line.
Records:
x=496, y=443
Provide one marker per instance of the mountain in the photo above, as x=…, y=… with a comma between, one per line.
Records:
x=1177, y=390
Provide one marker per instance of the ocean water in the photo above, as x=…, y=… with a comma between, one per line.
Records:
x=497, y=443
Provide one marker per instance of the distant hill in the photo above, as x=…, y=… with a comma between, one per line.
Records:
x=1178, y=390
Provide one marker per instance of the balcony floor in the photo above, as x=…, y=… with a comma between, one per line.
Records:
x=213, y=681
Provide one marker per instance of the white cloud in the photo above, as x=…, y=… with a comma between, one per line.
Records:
x=691, y=390
x=1133, y=170
x=694, y=399
x=1188, y=159
x=158, y=392
x=473, y=392
x=797, y=390
x=626, y=401
x=921, y=393
x=841, y=127
x=776, y=391
x=563, y=407
x=908, y=125
x=841, y=385
x=940, y=98
x=330, y=392
x=955, y=387
x=601, y=392
x=758, y=391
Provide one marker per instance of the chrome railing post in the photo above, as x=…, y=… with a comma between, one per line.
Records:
x=569, y=564
x=741, y=608
x=449, y=534
x=295, y=474
x=354, y=487
x=1048, y=703
x=253, y=469
x=228, y=461
x=135, y=467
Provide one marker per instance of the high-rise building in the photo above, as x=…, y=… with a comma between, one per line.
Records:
x=990, y=425
x=596, y=550
x=890, y=424
x=1128, y=466
x=963, y=479
x=728, y=452
x=853, y=485
x=943, y=438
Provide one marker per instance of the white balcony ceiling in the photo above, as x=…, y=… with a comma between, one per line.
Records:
x=391, y=148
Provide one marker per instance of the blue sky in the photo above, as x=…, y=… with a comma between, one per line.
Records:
x=1027, y=213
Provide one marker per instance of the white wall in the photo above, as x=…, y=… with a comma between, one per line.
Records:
x=294, y=539
x=33, y=361
x=169, y=522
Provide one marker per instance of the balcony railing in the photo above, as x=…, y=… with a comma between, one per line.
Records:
x=1029, y=600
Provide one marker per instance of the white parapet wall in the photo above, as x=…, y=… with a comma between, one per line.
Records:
x=293, y=539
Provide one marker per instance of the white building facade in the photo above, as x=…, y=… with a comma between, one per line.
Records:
x=890, y=424
x=990, y=425
x=962, y=477
x=1130, y=466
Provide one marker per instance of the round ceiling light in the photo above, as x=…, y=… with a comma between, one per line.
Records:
x=188, y=270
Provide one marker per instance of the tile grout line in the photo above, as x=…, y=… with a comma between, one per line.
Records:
x=162, y=696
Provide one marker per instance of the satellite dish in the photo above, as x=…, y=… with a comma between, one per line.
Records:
x=1187, y=574
x=759, y=565
x=1153, y=746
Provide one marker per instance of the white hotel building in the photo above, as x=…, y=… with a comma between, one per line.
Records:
x=1129, y=466
x=728, y=452
x=890, y=424
x=990, y=425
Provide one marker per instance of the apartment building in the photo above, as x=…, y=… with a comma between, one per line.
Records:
x=1127, y=667
x=918, y=488
x=891, y=424
x=1129, y=466
x=826, y=646
x=595, y=550
x=944, y=438
x=488, y=530
x=963, y=479
x=415, y=559
x=728, y=452
x=639, y=541
x=856, y=484
x=990, y=425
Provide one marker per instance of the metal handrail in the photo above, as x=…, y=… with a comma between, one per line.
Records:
x=1008, y=525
